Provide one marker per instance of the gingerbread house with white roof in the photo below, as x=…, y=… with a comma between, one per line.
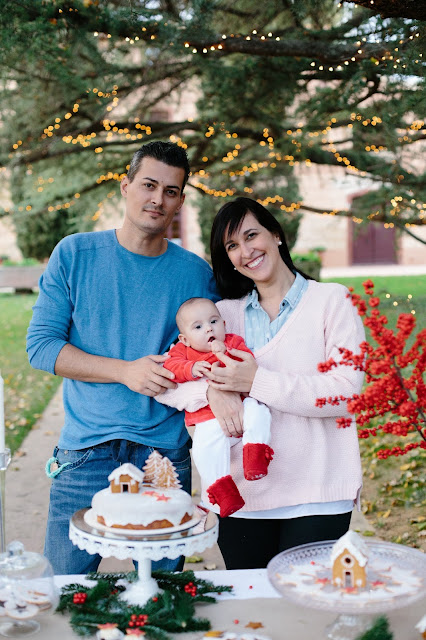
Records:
x=421, y=627
x=349, y=557
x=126, y=479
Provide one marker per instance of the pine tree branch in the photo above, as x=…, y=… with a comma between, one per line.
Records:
x=403, y=228
x=291, y=48
x=396, y=9
x=379, y=218
x=289, y=6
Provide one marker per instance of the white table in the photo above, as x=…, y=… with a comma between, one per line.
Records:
x=253, y=600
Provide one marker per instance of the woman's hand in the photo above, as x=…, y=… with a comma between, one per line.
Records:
x=227, y=408
x=234, y=376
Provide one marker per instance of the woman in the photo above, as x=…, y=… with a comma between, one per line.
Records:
x=291, y=324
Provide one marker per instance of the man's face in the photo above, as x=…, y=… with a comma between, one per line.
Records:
x=153, y=197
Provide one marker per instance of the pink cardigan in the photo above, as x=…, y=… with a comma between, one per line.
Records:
x=314, y=460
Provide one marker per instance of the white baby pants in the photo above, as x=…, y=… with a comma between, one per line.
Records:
x=211, y=448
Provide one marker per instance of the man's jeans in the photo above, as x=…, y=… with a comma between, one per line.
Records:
x=73, y=488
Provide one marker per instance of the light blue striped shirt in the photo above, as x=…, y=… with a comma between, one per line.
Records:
x=259, y=330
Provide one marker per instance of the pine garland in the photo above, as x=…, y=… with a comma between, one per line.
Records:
x=171, y=611
x=379, y=631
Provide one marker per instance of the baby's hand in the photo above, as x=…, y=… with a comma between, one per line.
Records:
x=217, y=346
x=199, y=368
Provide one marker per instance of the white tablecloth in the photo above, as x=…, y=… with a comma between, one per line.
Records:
x=253, y=600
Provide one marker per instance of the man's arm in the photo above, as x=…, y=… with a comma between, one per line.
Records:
x=49, y=348
x=145, y=375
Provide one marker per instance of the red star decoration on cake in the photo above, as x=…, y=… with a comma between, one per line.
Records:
x=377, y=583
x=162, y=498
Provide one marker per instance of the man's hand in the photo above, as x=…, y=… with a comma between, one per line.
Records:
x=227, y=408
x=218, y=346
x=147, y=376
x=199, y=368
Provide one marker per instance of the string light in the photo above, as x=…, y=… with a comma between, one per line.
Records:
x=111, y=129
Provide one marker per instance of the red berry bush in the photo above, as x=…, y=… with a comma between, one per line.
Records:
x=393, y=400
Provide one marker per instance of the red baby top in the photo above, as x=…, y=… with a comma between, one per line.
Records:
x=181, y=359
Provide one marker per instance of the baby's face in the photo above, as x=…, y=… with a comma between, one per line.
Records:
x=201, y=323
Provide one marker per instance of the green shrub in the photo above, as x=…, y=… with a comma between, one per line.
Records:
x=309, y=263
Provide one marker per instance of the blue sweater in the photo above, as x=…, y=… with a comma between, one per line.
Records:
x=107, y=301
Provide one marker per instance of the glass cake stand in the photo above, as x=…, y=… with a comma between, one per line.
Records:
x=396, y=577
x=186, y=540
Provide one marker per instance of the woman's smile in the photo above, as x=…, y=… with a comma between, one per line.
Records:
x=255, y=263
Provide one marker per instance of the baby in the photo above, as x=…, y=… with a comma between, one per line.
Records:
x=202, y=335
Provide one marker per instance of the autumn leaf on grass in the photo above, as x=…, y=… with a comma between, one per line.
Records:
x=194, y=559
x=254, y=625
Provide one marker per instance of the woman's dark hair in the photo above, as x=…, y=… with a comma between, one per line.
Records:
x=231, y=283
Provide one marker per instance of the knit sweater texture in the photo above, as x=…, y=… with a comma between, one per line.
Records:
x=314, y=460
x=108, y=301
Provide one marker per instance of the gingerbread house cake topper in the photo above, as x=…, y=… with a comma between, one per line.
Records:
x=126, y=478
x=158, y=471
x=349, y=557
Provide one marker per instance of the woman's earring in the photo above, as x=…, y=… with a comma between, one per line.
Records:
x=279, y=243
x=235, y=268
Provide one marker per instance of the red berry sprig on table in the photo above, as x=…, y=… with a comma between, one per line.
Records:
x=191, y=589
x=79, y=598
x=138, y=620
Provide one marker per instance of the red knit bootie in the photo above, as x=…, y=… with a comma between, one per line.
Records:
x=224, y=492
x=256, y=459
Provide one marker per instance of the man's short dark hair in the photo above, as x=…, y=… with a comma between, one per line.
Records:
x=168, y=152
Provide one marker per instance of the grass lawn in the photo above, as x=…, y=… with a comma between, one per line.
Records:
x=26, y=391
x=399, y=294
x=397, y=286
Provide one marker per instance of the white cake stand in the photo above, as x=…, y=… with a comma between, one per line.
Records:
x=396, y=577
x=143, y=548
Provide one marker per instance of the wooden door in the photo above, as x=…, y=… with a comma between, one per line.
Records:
x=373, y=244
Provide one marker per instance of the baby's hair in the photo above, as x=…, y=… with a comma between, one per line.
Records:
x=184, y=305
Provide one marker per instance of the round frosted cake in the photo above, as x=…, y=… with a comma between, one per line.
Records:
x=129, y=504
x=150, y=508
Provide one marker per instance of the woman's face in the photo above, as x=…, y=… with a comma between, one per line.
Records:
x=254, y=251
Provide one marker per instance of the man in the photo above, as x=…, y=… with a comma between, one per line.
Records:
x=106, y=308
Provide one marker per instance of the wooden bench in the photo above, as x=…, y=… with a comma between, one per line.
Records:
x=21, y=278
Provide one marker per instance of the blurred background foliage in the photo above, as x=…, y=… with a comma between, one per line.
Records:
x=277, y=85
